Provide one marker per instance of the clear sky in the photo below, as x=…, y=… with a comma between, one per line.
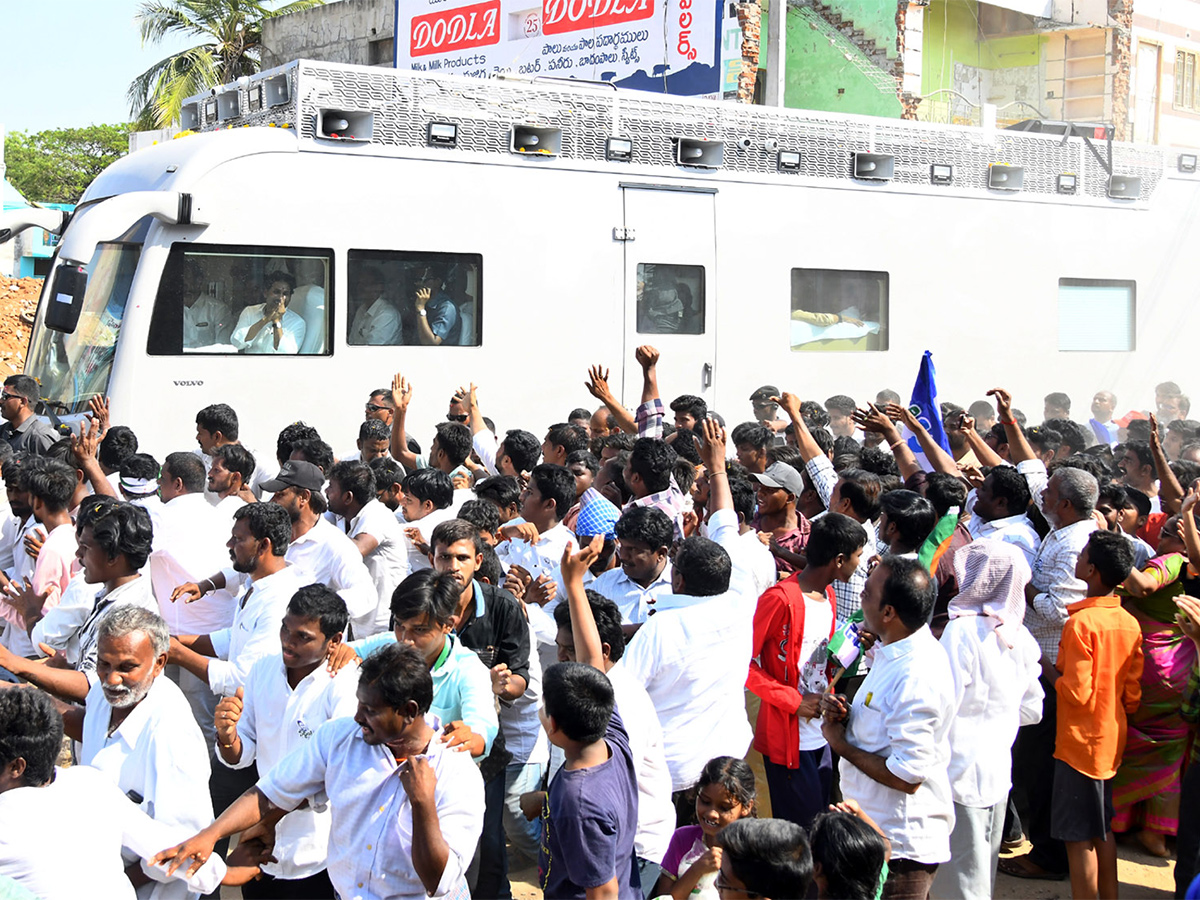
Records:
x=68, y=63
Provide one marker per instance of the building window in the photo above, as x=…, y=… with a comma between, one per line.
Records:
x=389, y=291
x=1186, y=94
x=381, y=52
x=670, y=299
x=222, y=299
x=839, y=310
x=1096, y=315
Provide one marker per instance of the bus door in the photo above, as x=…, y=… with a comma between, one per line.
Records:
x=670, y=282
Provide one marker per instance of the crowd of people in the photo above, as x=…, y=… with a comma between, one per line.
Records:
x=822, y=653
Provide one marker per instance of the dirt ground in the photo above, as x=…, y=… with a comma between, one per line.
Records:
x=18, y=302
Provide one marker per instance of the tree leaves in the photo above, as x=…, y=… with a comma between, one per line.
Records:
x=230, y=32
x=56, y=166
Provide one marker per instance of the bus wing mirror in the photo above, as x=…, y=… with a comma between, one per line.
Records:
x=65, y=300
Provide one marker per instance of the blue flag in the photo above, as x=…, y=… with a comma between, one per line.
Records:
x=924, y=405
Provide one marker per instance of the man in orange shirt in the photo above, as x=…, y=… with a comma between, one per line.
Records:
x=1098, y=682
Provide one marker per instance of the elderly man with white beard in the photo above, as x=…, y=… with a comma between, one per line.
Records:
x=138, y=729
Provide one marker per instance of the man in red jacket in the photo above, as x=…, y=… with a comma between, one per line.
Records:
x=792, y=627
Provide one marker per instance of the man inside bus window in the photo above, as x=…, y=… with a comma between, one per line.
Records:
x=376, y=321
x=437, y=320
x=25, y=432
x=206, y=320
x=270, y=327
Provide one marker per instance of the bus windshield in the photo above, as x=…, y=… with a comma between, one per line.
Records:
x=73, y=368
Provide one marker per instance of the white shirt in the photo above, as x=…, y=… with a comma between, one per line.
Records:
x=996, y=689
x=1016, y=530
x=387, y=564
x=189, y=545
x=136, y=592
x=59, y=627
x=656, y=812
x=206, y=322
x=1054, y=578
x=425, y=525
x=101, y=821
x=291, y=337
x=370, y=840
x=277, y=720
x=759, y=561
x=902, y=711
x=487, y=446
x=378, y=323
x=633, y=600
x=158, y=758
x=542, y=558
x=255, y=629
x=818, y=623
x=325, y=554
x=692, y=656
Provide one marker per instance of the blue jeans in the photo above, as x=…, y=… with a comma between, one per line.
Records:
x=526, y=836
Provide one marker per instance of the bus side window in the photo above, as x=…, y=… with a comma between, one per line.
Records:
x=216, y=299
x=409, y=298
x=670, y=299
x=839, y=310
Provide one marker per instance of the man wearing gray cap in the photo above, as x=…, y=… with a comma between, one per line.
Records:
x=778, y=489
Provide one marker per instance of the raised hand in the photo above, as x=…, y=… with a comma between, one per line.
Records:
x=789, y=403
x=423, y=295
x=1155, y=440
x=1003, y=404
x=575, y=565
x=712, y=453
x=401, y=392
x=874, y=419
x=597, y=384
x=98, y=410
x=228, y=714
x=646, y=356
x=86, y=444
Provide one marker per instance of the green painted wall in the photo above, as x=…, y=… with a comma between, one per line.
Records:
x=875, y=18
x=816, y=71
x=952, y=36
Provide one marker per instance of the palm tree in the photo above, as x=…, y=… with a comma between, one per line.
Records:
x=232, y=30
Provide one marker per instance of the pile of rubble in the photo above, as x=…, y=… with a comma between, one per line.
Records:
x=18, y=303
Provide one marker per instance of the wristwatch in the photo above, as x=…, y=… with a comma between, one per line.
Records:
x=422, y=313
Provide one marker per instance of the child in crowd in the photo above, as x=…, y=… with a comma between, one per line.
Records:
x=1147, y=787
x=1098, y=682
x=764, y=858
x=427, y=495
x=850, y=854
x=724, y=794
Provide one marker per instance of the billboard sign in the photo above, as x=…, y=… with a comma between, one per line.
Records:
x=672, y=46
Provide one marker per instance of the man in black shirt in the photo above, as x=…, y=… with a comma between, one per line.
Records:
x=489, y=621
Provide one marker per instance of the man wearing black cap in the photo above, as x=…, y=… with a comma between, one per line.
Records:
x=766, y=411
x=319, y=548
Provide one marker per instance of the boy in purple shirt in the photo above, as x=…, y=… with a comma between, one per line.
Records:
x=590, y=814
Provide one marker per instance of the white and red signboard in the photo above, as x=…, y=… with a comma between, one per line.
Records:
x=636, y=44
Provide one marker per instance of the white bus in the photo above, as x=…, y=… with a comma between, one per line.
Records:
x=556, y=224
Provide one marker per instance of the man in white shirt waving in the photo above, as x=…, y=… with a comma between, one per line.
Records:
x=894, y=750
x=408, y=811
